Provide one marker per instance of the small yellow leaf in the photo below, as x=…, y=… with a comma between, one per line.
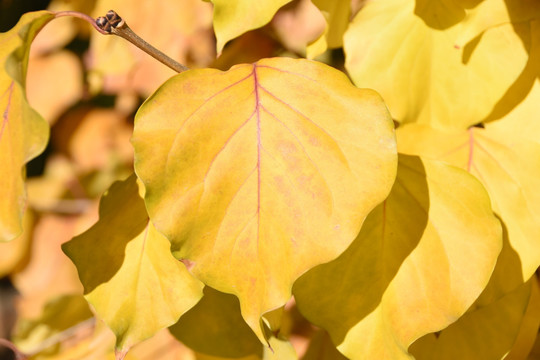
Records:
x=23, y=133
x=259, y=173
x=420, y=260
x=233, y=18
x=128, y=273
x=422, y=73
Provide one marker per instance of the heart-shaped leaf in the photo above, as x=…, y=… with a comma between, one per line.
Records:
x=420, y=260
x=507, y=166
x=128, y=273
x=259, y=173
x=23, y=132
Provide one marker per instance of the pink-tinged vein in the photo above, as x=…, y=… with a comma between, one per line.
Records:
x=257, y=110
x=6, y=111
x=299, y=113
x=138, y=275
x=238, y=236
x=303, y=150
x=205, y=102
x=234, y=197
x=454, y=150
x=227, y=143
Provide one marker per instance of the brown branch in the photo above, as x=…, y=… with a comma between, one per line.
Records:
x=112, y=23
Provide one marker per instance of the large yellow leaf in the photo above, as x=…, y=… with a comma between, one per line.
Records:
x=486, y=333
x=336, y=14
x=233, y=18
x=507, y=165
x=259, y=173
x=420, y=260
x=23, y=133
x=128, y=273
x=421, y=72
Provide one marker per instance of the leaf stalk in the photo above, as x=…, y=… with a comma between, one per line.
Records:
x=113, y=24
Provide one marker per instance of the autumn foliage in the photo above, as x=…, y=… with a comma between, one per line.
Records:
x=332, y=179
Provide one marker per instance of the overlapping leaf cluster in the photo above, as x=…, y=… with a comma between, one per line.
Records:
x=281, y=178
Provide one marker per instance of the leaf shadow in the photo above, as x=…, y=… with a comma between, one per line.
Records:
x=506, y=277
x=506, y=282
x=522, y=85
x=442, y=14
x=215, y=327
x=99, y=252
x=342, y=293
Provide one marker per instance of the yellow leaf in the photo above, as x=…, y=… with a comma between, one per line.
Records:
x=259, y=173
x=422, y=73
x=23, y=133
x=420, y=260
x=14, y=254
x=485, y=333
x=233, y=18
x=507, y=165
x=336, y=14
x=128, y=273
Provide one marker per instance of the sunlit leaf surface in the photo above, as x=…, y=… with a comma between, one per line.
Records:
x=259, y=173
x=507, y=165
x=23, y=133
x=399, y=48
x=420, y=260
x=233, y=18
x=133, y=282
